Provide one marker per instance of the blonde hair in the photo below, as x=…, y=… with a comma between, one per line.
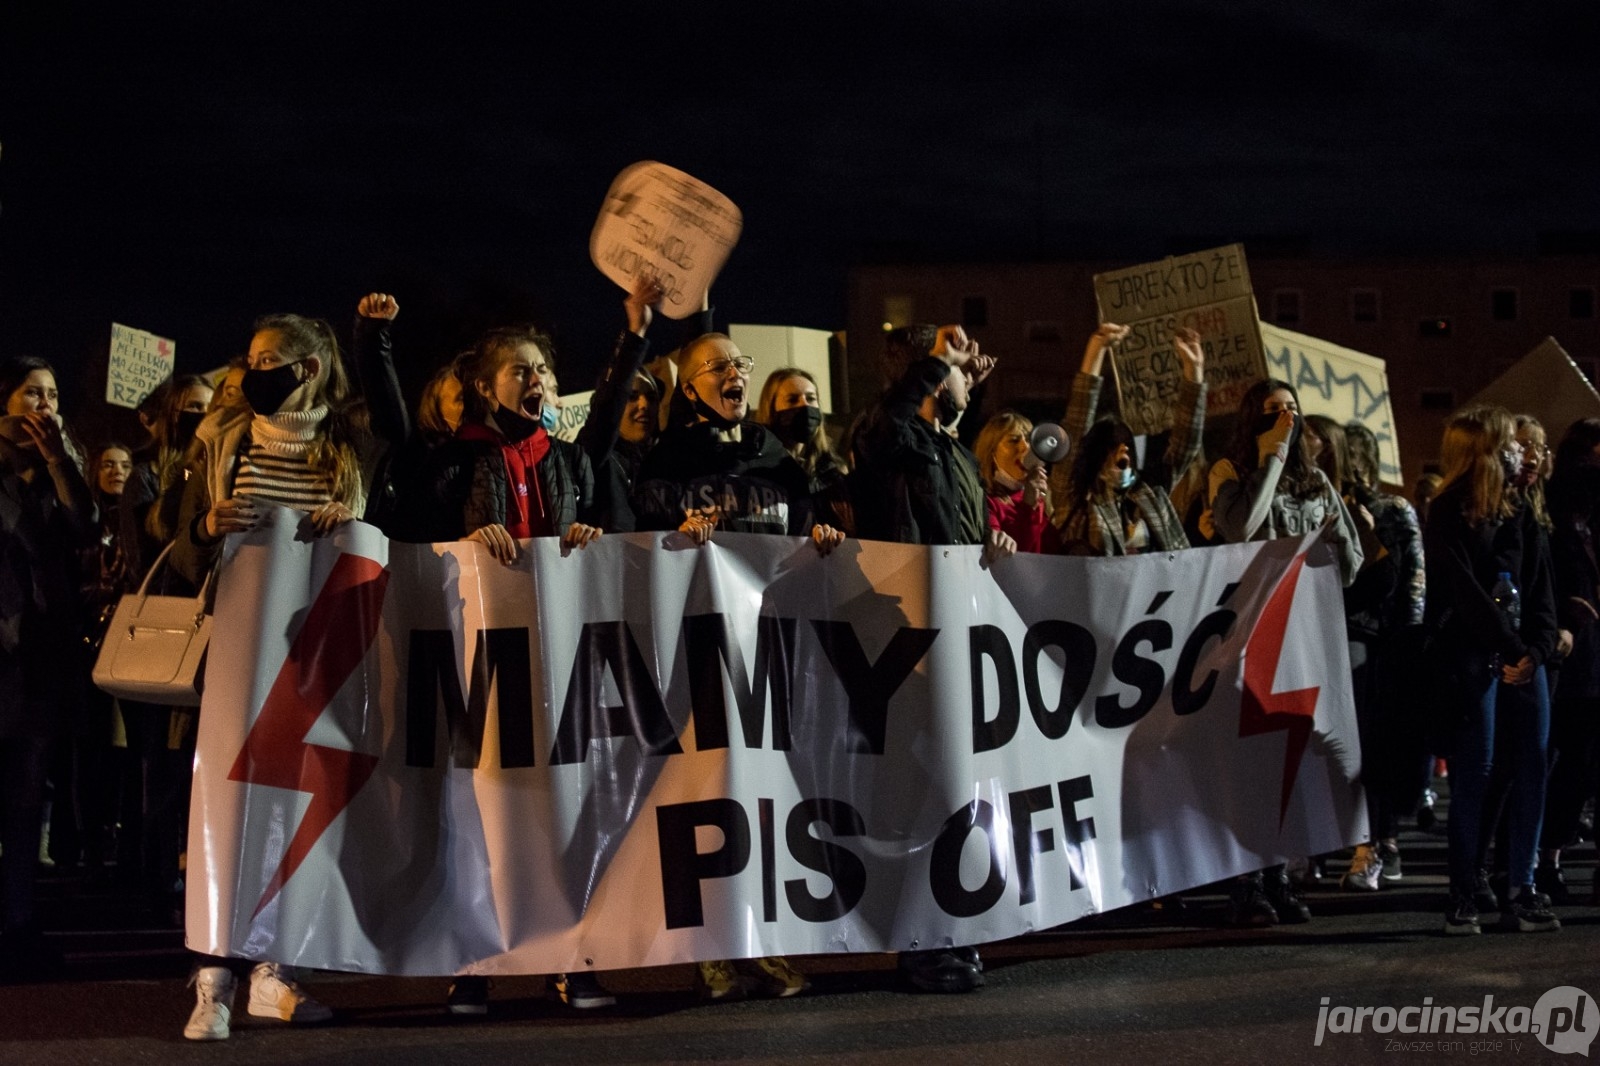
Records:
x=1470, y=453
x=994, y=431
x=811, y=451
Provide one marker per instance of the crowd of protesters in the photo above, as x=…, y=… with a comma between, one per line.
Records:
x=1491, y=580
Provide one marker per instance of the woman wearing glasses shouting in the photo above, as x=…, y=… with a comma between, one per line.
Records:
x=723, y=472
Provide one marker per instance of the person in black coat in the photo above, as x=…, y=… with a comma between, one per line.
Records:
x=504, y=478
x=723, y=472
x=1490, y=657
x=47, y=516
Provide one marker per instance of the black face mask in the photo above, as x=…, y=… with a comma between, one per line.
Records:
x=795, y=425
x=1266, y=422
x=711, y=414
x=183, y=432
x=515, y=425
x=266, y=390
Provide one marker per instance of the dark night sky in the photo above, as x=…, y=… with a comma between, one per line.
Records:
x=184, y=170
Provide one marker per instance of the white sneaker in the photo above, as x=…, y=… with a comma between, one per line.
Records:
x=275, y=994
x=213, y=1008
x=1365, y=869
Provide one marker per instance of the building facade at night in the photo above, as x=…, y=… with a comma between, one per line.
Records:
x=1447, y=327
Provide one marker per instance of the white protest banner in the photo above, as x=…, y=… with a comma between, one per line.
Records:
x=139, y=362
x=1341, y=383
x=416, y=760
x=660, y=221
x=1208, y=292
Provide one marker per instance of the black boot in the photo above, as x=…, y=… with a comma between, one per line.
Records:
x=1290, y=908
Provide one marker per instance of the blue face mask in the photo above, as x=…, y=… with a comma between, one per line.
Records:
x=1125, y=478
x=549, y=418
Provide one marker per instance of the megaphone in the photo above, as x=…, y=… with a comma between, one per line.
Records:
x=1047, y=443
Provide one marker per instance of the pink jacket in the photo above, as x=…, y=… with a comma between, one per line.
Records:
x=1031, y=529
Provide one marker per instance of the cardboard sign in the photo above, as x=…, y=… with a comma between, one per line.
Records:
x=662, y=222
x=1547, y=384
x=1208, y=292
x=1343, y=384
x=574, y=409
x=139, y=362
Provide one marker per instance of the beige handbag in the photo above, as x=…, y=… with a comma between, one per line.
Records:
x=155, y=648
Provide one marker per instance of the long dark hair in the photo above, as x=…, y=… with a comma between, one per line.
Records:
x=14, y=370
x=1300, y=474
x=1573, y=494
x=1089, y=458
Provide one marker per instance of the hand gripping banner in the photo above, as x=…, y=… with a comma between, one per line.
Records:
x=416, y=760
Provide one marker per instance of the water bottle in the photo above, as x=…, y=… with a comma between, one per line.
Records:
x=1509, y=601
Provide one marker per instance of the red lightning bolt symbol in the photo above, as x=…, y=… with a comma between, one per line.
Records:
x=330, y=645
x=1260, y=709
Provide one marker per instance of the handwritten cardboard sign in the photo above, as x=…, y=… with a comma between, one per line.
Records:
x=574, y=413
x=1341, y=383
x=139, y=362
x=660, y=221
x=1208, y=292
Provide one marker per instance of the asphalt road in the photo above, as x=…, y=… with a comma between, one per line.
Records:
x=1130, y=986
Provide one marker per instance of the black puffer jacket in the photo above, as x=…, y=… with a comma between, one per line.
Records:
x=472, y=485
x=753, y=483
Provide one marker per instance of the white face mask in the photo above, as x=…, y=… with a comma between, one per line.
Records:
x=1005, y=480
x=1125, y=478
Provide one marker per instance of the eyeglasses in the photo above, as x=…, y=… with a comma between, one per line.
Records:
x=720, y=365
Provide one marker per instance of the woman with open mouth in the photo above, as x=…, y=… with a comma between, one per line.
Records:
x=505, y=475
x=1105, y=504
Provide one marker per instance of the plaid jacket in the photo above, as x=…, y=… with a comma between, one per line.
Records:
x=1090, y=527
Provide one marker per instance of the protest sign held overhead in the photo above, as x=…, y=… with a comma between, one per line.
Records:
x=1547, y=384
x=139, y=362
x=1208, y=292
x=661, y=222
x=1340, y=383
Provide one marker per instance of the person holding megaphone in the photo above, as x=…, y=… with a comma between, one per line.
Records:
x=1013, y=457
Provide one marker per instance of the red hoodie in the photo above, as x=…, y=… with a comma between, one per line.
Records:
x=527, y=514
